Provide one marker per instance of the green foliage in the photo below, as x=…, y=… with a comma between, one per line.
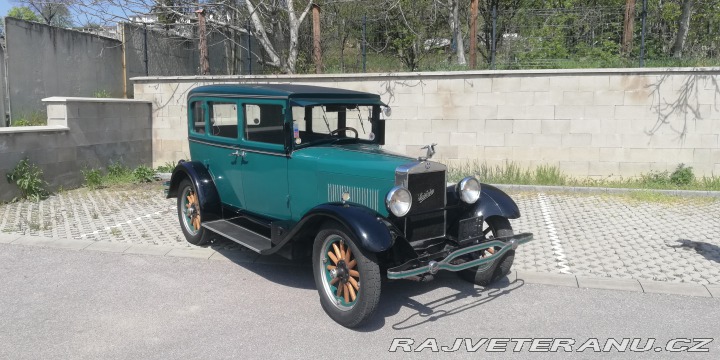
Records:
x=682, y=176
x=102, y=93
x=117, y=170
x=35, y=118
x=23, y=13
x=28, y=178
x=168, y=167
x=143, y=174
x=512, y=173
x=93, y=178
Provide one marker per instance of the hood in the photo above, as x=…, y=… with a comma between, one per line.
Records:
x=361, y=160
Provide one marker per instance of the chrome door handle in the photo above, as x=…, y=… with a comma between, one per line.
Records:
x=238, y=153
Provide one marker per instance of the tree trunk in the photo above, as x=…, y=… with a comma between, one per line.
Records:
x=629, y=27
x=683, y=28
x=204, y=63
x=317, y=54
x=457, y=33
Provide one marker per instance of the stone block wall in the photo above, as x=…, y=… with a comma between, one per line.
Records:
x=81, y=132
x=597, y=122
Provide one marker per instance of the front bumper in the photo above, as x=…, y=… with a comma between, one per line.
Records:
x=418, y=267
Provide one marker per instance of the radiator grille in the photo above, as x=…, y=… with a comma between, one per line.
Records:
x=428, y=192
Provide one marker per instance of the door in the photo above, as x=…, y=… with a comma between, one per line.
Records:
x=264, y=165
x=214, y=140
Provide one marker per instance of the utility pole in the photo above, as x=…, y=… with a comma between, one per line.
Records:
x=204, y=62
x=473, y=33
x=628, y=27
x=317, y=54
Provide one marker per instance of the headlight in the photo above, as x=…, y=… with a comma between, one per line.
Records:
x=469, y=189
x=398, y=201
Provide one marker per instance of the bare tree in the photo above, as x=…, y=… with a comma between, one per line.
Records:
x=456, y=30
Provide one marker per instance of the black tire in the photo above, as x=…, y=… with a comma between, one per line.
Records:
x=487, y=274
x=189, y=214
x=341, y=308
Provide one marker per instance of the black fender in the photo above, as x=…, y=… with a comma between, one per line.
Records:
x=495, y=202
x=365, y=225
x=210, y=204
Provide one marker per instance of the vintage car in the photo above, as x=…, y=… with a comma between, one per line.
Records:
x=300, y=171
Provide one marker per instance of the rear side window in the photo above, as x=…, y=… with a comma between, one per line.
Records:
x=198, y=117
x=223, y=119
x=264, y=123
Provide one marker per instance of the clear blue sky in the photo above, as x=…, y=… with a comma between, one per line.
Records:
x=5, y=6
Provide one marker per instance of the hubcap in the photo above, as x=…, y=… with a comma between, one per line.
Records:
x=340, y=276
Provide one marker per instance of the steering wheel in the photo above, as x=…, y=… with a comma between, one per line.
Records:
x=336, y=131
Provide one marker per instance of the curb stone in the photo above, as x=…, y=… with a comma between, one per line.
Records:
x=601, y=190
x=643, y=286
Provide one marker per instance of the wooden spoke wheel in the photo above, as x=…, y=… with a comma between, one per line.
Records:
x=189, y=214
x=347, y=277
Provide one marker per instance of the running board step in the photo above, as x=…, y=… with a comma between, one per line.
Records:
x=240, y=235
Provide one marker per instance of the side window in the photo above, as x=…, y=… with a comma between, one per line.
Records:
x=198, y=117
x=264, y=123
x=223, y=119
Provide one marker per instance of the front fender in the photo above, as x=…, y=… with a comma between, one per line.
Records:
x=364, y=224
x=495, y=202
x=198, y=174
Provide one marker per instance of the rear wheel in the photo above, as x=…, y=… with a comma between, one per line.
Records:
x=484, y=275
x=189, y=214
x=347, y=277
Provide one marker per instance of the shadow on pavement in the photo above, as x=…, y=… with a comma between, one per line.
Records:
x=707, y=250
x=395, y=294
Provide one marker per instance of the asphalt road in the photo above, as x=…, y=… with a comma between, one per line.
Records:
x=64, y=304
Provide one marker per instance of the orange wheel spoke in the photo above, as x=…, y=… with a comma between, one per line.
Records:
x=333, y=281
x=333, y=257
x=348, y=254
x=330, y=267
x=342, y=250
x=355, y=273
x=354, y=283
x=351, y=264
x=345, y=294
x=491, y=250
x=340, y=288
x=350, y=289
x=337, y=251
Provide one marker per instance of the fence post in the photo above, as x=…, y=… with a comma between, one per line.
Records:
x=473, y=33
x=642, y=41
x=317, y=54
x=204, y=62
x=145, y=50
x=249, y=47
x=364, y=43
x=494, y=37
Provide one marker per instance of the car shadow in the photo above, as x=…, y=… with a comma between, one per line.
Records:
x=395, y=295
x=707, y=250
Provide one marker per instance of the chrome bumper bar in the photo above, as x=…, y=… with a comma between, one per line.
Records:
x=417, y=267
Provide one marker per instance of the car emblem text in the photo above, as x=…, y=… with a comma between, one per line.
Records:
x=425, y=195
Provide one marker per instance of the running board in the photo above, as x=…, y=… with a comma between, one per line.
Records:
x=240, y=235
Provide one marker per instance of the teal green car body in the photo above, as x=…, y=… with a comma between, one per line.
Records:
x=286, y=187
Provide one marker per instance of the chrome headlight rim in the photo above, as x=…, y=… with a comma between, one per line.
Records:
x=469, y=190
x=394, y=196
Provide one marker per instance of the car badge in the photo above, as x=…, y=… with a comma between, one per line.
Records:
x=425, y=195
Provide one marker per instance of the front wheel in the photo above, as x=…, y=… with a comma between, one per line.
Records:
x=484, y=275
x=188, y=208
x=347, y=277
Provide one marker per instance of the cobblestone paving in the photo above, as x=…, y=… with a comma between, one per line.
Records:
x=614, y=236
x=579, y=234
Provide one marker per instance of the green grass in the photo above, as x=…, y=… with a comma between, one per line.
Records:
x=117, y=174
x=512, y=173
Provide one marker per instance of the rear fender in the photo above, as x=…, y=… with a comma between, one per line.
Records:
x=210, y=205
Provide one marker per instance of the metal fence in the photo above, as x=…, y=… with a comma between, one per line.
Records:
x=511, y=39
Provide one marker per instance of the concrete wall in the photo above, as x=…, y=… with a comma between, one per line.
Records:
x=81, y=132
x=47, y=61
x=608, y=122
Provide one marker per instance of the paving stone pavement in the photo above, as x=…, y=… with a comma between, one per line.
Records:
x=586, y=235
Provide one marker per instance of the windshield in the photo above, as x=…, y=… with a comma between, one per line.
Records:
x=332, y=124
